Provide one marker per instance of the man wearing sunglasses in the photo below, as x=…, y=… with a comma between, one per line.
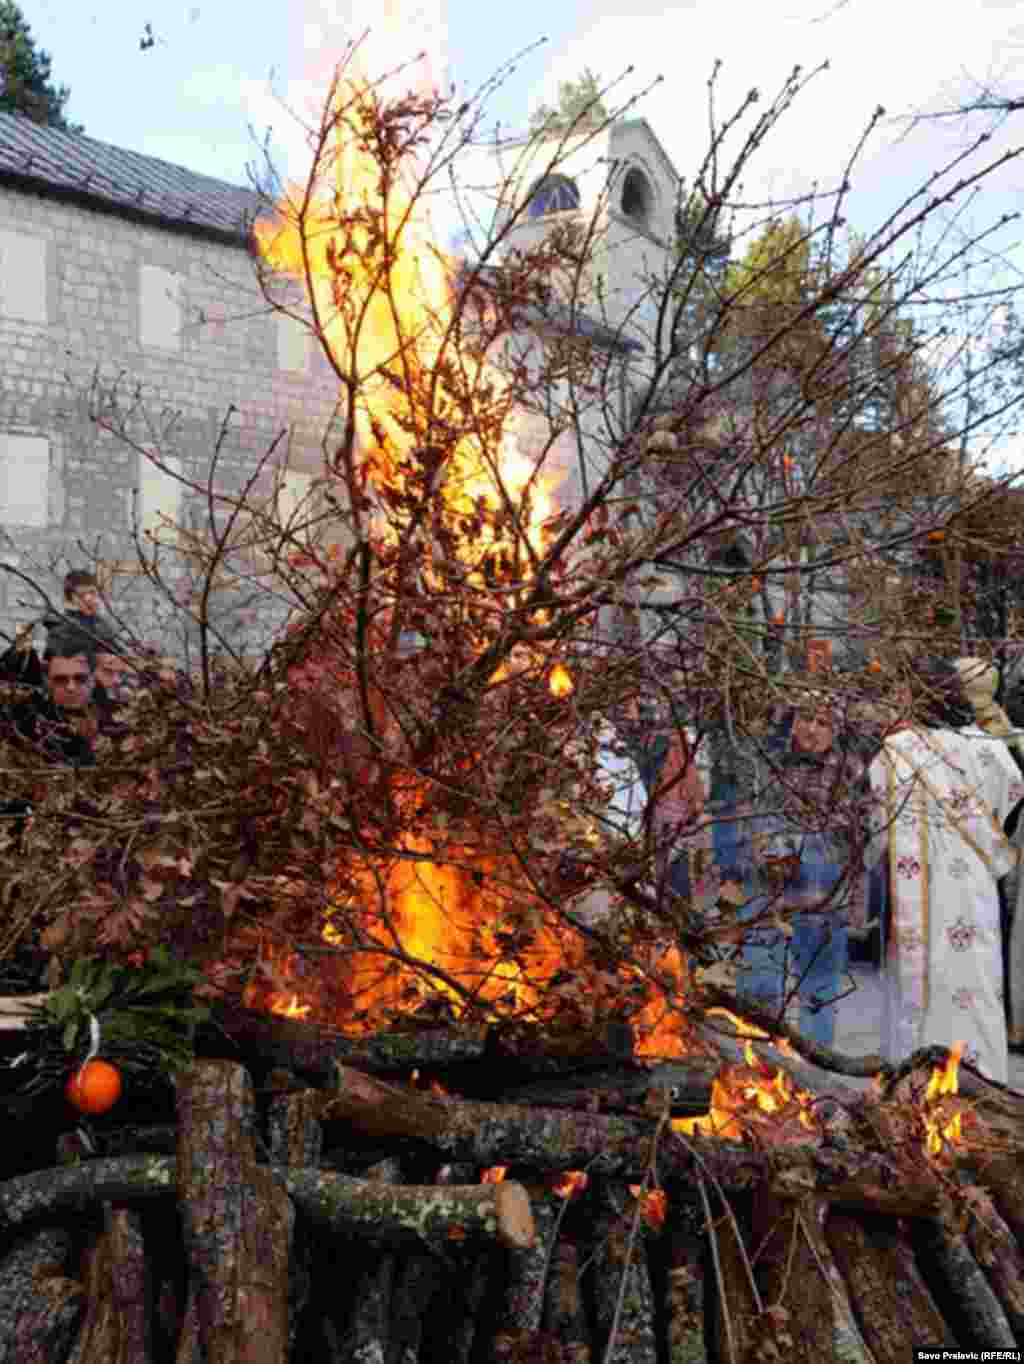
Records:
x=60, y=721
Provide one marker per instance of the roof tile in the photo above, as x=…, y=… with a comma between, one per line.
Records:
x=71, y=163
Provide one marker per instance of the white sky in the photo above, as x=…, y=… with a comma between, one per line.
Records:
x=192, y=97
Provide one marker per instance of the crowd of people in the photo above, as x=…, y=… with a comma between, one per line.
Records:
x=906, y=818
x=61, y=701
x=900, y=821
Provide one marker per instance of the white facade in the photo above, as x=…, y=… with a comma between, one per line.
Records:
x=624, y=187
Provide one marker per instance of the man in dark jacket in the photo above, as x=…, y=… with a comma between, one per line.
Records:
x=60, y=721
x=81, y=611
x=21, y=664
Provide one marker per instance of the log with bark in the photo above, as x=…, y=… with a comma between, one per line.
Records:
x=564, y=1318
x=431, y=1216
x=397, y=1215
x=558, y=1139
x=367, y=1333
x=791, y=1281
x=995, y=1250
x=737, y=1302
x=620, y=1277
x=237, y=1220
x=455, y=1271
x=685, y=1283
x=41, y=1309
x=311, y=1050
x=296, y=1138
x=967, y=1286
x=116, y=1329
x=890, y=1299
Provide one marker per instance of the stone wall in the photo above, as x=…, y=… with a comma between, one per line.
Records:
x=164, y=329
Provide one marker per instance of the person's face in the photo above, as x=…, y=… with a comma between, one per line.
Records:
x=109, y=672
x=86, y=600
x=70, y=682
x=813, y=731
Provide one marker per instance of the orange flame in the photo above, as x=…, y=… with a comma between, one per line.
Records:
x=385, y=317
x=741, y=1094
x=946, y=1079
x=944, y=1082
x=653, y=1205
x=288, y=1008
x=569, y=1184
x=560, y=681
x=494, y=1175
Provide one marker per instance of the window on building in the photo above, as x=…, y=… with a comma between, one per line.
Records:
x=23, y=277
x=160, y=308
x=637, y=196
x=159, y=496
x=24, y=480
x=553, y=194
x=292, y=343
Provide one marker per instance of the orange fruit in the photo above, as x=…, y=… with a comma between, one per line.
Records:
x=94, y=1087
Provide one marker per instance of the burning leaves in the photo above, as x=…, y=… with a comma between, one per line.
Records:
x=752, y=1098
x=653, y=1205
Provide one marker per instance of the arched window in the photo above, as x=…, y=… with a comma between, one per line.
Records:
x=637, y=196
x=553, y=194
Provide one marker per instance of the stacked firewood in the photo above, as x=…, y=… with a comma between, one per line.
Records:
x=341, y=1208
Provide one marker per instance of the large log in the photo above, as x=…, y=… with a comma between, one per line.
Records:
x=311, y=1050
x=559, y=1139
x=417, y=1281
x=791, y=1279
x=367, y=1333
x=563, y=1311
x=526, y=1270
x=623, y=1299
x=1003, y=1177
x=236, y=1219
x=116, y=1326
x=295, y=1137
x=737, y=1301
x=40, y=1309
x=893, y=1307
x=425, y=1214
x=968, y=1287
x=560, y=1071
x=120, y=1179
x=848, y=1342
x=685, y=1296
x=994, y=1248
x=404, y=1214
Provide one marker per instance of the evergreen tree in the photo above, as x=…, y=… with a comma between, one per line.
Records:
x=25, y=85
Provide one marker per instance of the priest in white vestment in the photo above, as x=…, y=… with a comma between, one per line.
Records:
x=943, y=790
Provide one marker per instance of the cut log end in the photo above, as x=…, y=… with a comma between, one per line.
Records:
x=516, y=1227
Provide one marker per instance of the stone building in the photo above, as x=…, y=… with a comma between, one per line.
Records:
x=620, y=185
x=127, y=291
x=127, y=284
